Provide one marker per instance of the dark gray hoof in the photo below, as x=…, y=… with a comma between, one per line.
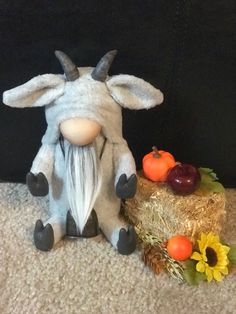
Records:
x=126, y=188
x=37, y=184
x=91, y=228
x=127, y=241
x=71, y=229
x=43, y=236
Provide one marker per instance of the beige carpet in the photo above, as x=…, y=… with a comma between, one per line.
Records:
x=88, y=276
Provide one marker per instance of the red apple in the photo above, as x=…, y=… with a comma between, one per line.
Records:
x=184, y=179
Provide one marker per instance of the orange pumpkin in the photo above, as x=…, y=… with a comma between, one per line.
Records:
x=157, y=164
x=179, y=248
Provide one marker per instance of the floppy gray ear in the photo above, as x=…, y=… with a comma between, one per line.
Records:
x=134, y=93
x=39, y=91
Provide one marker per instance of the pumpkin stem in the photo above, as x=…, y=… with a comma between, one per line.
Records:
x=156, y=153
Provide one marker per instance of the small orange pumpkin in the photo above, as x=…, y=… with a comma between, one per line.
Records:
x=179, y=247
x=157, y=164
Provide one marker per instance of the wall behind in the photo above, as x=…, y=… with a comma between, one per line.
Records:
x=187, y=49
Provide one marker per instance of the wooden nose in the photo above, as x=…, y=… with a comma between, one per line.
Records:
x=79, y=131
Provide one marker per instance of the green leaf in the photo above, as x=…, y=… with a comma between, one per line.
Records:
x=190, y=263
x=200, y=277
x=191, y=275
x=213, y=186
x=232, y=254
x=209, y=182
x=207, y=172
x=218, y=187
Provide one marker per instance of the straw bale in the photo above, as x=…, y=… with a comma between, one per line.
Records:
x=160, y=212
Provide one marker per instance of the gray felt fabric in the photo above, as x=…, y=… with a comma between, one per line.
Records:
x=89, y=276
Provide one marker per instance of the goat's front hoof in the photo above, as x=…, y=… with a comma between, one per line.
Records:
x=43, y=236
x=126, y=188
x=37, y=184
x=127, y=241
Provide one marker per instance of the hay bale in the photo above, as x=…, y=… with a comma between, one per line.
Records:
x=160, y=212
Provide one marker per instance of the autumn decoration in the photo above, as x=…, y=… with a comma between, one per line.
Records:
x=211, y=260
x=178, y=213
x=179, y=247
x=157, y=164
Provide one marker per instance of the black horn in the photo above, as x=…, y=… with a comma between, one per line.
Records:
x=70, y=69
x=103, y=66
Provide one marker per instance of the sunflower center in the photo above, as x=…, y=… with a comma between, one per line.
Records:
x=211, y=257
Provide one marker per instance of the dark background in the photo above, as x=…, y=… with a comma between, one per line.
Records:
x=186, y=48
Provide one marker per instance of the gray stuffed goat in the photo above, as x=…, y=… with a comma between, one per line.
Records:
x=84, y=163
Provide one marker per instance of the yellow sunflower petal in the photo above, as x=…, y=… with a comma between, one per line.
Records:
x=201, y=266
x=224, y=271
x=220, y=267
x=217, y=275
x=210, y=236
x=223, y=251
x=197, y=256
x=222, y=258
x=216, y=242
x=203, y=237
x=215, y=238
x=209, y=274
x=226, y=248
x=215, y=246
x=204, y=258
x=222, y=262
x=202, y=243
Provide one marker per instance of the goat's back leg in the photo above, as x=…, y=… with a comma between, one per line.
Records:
x=121, y=235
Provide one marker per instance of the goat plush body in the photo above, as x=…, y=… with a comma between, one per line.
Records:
x=84, y=162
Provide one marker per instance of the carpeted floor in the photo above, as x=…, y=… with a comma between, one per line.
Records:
x=88, y=276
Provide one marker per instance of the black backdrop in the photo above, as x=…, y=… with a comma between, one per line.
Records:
x=186, y=48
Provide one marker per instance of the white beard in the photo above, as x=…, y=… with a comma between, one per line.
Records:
x=83, y=181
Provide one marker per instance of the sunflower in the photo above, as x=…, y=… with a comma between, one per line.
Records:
x=212, y=258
